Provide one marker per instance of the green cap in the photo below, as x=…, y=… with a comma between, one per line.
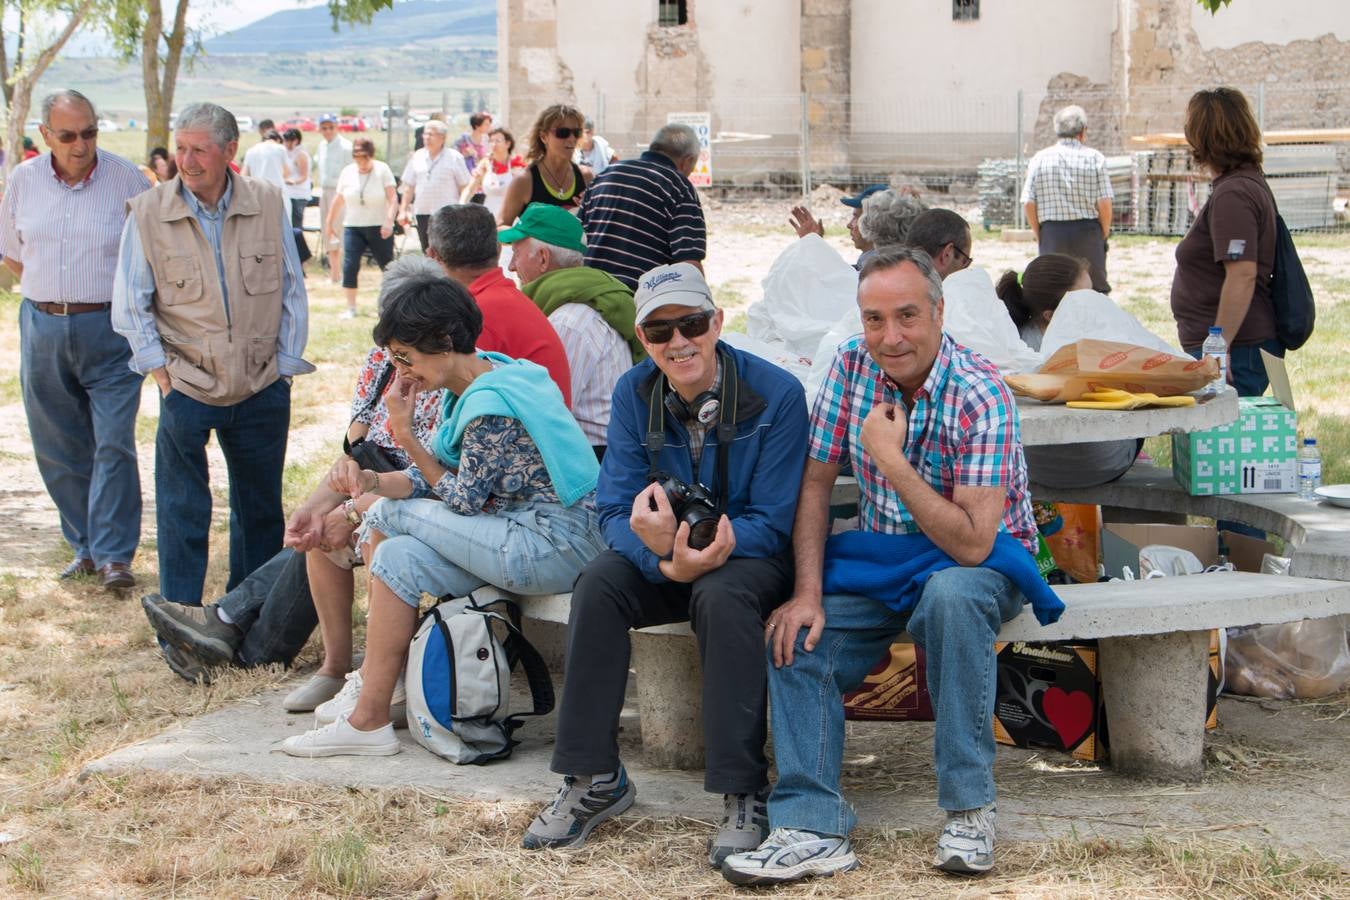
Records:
x=550, y=224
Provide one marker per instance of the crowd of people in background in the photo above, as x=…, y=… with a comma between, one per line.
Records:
x=515, y=418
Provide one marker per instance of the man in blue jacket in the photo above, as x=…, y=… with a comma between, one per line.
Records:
x=708, y=415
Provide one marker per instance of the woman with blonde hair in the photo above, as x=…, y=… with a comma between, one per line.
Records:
x=553, y=177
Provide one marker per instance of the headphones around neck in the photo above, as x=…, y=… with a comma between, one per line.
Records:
x=706, y=408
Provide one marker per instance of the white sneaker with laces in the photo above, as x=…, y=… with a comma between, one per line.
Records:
x=789, y=855
x=341, y=739
x=344, y=702
x=966, y=845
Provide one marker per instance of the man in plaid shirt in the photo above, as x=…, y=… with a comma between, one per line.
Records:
x=932, y=434
x=1067, y=196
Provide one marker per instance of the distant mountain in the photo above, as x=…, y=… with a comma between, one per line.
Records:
x=311, y=30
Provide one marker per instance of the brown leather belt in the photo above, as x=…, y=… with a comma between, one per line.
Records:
x=68, y=309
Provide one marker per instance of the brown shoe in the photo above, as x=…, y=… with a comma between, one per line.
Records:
x=116, y=576
x=79, y=566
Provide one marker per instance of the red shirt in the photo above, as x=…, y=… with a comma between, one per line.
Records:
x=513, y=325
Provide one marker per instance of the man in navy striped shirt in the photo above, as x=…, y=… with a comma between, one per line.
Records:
x=60, y=222
x=643, y=213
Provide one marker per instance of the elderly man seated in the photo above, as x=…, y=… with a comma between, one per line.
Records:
x=945, y=553
x=591, y=310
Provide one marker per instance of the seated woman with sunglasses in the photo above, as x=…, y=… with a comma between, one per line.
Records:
x=553, y=177
x=364, y=207
x=505, y=495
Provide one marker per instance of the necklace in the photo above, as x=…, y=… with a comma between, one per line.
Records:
x=365, y=179
x=561, y=193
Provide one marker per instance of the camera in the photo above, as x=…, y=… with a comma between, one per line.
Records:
x=694, y=505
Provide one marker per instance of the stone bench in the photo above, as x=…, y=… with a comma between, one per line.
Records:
x=1153, y=642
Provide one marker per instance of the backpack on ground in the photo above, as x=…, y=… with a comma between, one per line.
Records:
x=1290, y=293
x=459, y=680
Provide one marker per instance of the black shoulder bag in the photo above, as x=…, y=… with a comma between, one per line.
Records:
x=369, y=455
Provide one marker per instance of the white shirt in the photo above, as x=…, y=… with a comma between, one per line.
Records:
x=598, y=353
x=364, y=194
x=597, y=157
x=302, y=190
x=330, y=159
x=435, y=182
x=266, y=160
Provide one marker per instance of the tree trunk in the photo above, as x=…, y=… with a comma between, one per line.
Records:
x=160, y=76
x=28, y=78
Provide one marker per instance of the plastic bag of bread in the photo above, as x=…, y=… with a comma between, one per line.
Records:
x=1089, y=365
x=1297, y=659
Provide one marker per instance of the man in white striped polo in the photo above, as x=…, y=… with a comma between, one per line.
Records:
x=60, y=223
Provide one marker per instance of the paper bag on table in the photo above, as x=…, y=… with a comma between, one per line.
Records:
x=1088, y=365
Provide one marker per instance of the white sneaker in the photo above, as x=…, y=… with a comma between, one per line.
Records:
x=790, y=855
x=344, y=703
x=348, y=313
x=341, y=739
x=966, y=845
x=318, y=689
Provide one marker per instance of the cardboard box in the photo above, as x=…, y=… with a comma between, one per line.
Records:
x=1049, y=696
x=1122, y=542
x=895, y=690
x=1254, y=455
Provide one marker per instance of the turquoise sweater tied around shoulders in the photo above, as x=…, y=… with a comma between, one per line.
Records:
x=520, y=389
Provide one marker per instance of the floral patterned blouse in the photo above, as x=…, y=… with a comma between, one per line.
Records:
x=498, y=463
x=426, y=411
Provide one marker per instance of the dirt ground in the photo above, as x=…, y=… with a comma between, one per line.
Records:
x=79, y=679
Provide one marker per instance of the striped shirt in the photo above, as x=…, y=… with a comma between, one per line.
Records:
x=642, y=213
x=1065, y=181
x=133, y=314
x=435, y=182
x=963, y=430
x=599, y=356
x=66, y=235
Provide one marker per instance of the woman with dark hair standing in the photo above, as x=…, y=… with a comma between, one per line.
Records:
x=162, y=164
x=296, y=175
x=553, y=177
x=365, y=207
x=1225, y=260
x=1032, y=297
x=504, y=495
x=495, y=172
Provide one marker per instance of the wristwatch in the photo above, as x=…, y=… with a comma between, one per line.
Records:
x=351, y=512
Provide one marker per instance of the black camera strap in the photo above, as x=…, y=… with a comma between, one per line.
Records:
x=726, y=426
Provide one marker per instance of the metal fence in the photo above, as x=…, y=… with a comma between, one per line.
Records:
x=970, y=151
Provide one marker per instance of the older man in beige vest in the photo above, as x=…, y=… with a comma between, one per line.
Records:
x=210, y=295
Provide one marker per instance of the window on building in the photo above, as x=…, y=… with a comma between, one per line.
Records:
x=672, y=12
x=965, y=10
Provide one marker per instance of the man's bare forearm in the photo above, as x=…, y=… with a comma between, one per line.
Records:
x=811, y=526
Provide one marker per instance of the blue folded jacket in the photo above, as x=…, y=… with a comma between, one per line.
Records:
x=893, y=568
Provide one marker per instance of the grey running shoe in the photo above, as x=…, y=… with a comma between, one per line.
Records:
x=966, y=845
x=745, y=825
x=196, y=629
x=578, y=808
x=186, y=666
x=788, y=855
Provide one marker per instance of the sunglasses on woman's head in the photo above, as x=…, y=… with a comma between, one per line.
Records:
x=658, y=331
x=563, y=134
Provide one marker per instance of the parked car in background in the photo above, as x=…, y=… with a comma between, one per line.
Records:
x=245, y=123
x=351, y=123
x=391, y=114
x=107, y=125
x=304, y=123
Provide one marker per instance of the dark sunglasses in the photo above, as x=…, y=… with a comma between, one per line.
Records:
x=658, y=331
x=69, y=137
x=360, y=156
x=563, y=134
x=961, y=254
x=400, y=358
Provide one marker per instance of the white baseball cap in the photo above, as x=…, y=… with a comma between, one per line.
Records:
x=679, y=284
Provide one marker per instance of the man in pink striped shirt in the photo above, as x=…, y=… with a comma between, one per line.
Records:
x=60, y=224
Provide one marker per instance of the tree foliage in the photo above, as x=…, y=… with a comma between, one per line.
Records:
x=1213, y=5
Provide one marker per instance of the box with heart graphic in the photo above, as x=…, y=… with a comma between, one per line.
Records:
x=1049, y=696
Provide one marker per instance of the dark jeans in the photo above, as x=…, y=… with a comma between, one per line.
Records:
x=424, y=232
x=355, y=241
x=726, y=609
x=81, y=399
x=1081, y=238
x=252, y=435
x=274, y=609
x=298, y=205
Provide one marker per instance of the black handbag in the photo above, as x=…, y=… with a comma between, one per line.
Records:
x=368, y=455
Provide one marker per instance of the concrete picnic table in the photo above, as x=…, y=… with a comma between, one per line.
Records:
x=1055, y=423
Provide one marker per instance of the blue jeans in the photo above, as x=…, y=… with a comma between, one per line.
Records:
x=274, y=609
x=81, y=398
x=955, y=621
x=252, y=435
x=526, y=548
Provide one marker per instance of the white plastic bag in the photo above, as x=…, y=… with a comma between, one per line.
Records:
x=809, y=286
x=847, y=325
x=1088, y=314
x=976, y=318
x=778, y=354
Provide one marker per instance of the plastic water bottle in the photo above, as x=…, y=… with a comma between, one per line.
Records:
x=1309, y=469
x=1216, y=347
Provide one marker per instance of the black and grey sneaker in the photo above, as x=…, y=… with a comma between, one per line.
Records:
x=745, y=825
x=186, y=666
x=578, y=808
x=789, y=855
x=966, y=845
x=194, y=629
